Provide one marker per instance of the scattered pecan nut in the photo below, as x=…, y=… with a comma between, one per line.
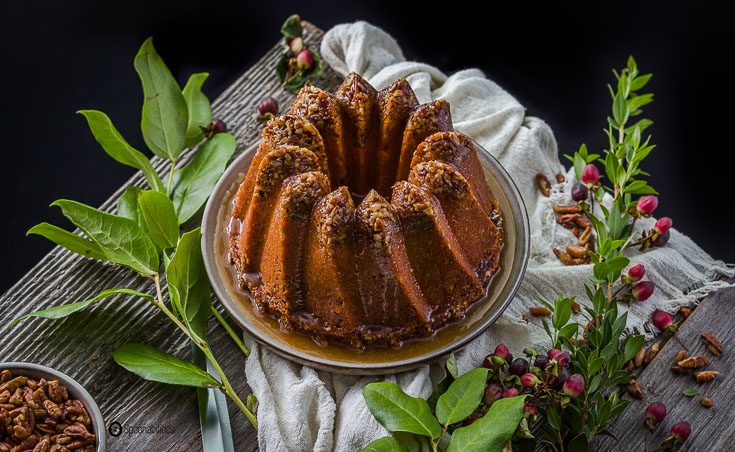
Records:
x=706, y=402
x=638, y=358
x=693, y=362
x=560, y=178
x=676, y=370
x=539, y=311
x=714, y=345
x=577, y=251
x=543, y=184
x=566, y=209
x=680, y=355
x=635, y=390
x=576, y=308
x=684, y=311
x=705, y=376
x=585, y=237
x=652, y=352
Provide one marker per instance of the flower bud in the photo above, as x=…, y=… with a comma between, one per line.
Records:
x=304, y=60
x=681, y=431
x=268, y=105
x=530, y=409
x=493, y=392
x=519, y=366
x=579, y=192
x=647, y=204
x=663, y=225
x=214, y=127
x=529, y=380
x=636, y=272
x=590, y=174
x=502, y=351
x=662, y=320
x=574, y=386
x=510, y=392
x=541, y=362
x=296, y=45
x=643, y=290
x=561, y=357
x=655, y=414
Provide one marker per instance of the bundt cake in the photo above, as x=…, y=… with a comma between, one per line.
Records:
x=373, y=271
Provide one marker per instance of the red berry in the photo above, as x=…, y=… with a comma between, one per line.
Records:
x=663, y=225
x=643, y=290
x=493, y=392
x=268, y=105
x=681, y=431
x=304, y=60
x=574, y=386
x=579, y=192
x=662, y=319
x=530, y=408
x=214, y=127
x=636, y=272
x=510, y=392
x=561, y=357
x=502, y=351
x=647, y=204
x=590, y=174
x=655, y=414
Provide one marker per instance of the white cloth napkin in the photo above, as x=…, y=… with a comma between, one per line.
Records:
x=304, y=409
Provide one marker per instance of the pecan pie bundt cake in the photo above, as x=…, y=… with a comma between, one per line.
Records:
x=373, y=271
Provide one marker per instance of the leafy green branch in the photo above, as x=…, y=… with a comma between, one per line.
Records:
x=145, y=234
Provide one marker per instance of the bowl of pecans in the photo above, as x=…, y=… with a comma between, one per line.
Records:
x=42, y=409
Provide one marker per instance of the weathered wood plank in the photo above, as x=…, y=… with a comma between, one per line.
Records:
x=712, y=429
x=81, y=345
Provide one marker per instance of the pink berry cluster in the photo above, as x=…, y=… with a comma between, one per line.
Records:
x=659, y=234
x=639, y=290
x=655, y=414
x=540, y=376
x=299, y=56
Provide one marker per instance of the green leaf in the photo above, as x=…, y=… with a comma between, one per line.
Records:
x=617, y=263
x=152, y=364
x=292, y=28
x=632, y=345
x=120, y=239
x=452, y=366
x=399, y=412
x=578, y=444
x=199, y=108
x=185, y=274
x=160, y=218
x=385, y=444
x=68, y=240
x=195, y=182
x=165, y=117
x=127, y=205
x=562, y=312
x=620, y=109
x=462, y=397
x=690, y=392
x=639, y=82
x=116, y=147
x=65, y=310
x=491, y=432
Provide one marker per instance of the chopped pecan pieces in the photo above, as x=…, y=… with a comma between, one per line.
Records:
x=714, y=345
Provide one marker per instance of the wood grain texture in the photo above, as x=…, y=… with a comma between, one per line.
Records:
x=712, y=429
x=81, y=344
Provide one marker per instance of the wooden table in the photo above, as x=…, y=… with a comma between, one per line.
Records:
x=81, y=344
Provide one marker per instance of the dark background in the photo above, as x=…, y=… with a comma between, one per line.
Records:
x=58, y=57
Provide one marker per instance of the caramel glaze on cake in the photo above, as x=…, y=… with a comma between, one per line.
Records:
x=379, y=271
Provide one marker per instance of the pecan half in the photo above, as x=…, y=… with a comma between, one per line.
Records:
x=652, y=352
x=56, y=392
x=706, y=402
x=576, y=307
x=543, y=184
x=566, y=209
x=676, y=370
x=560, y=178
x=539, y=311
x=684, y=311
x=705, y=376
x=693, y=362
x=714, y=345
x=577, y=251
x=638, y=359
x=635, y=390
x=680, y=356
